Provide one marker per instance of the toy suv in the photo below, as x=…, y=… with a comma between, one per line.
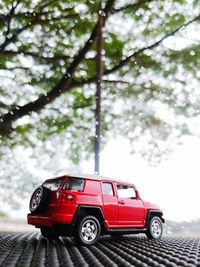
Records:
x=87, y=206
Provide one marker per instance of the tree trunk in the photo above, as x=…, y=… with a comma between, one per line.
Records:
x=99, y=70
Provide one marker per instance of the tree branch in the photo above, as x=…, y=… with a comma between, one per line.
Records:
x=125, y=82
x=140, y=51
x=54, y=59
x=132, y=6
x=63, y=85
x=36, y=20
x=67, y=82
x=117, y=81
x=40, y=20
x=33, y=15
x=134, y=55
x=9, y=19
x=14, y=36
x=44, y=5
x=15, y=68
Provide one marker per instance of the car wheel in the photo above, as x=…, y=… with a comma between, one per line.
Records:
x=88, y=230
x=39, y=200
x=49, y=232
x=155, y=228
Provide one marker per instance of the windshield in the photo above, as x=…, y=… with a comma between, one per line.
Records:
x=53, y=184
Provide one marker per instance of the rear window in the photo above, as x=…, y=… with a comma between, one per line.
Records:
x=75, y=184
x=53, y=184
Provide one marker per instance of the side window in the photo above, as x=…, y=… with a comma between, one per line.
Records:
x=107, y=189
x=75, y=184
x=126, y=191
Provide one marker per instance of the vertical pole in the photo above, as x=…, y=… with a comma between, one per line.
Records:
x=99, y=73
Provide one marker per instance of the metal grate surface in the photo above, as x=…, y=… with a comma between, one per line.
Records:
x=30, y=249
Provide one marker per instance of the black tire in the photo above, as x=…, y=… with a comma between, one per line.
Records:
x=155, y=228
x=49, y=233
x=87, y=231
x=39, y=200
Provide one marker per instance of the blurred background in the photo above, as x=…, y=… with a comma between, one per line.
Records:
x=114, y=83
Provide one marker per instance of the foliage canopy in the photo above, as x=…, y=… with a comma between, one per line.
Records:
x=47, y=70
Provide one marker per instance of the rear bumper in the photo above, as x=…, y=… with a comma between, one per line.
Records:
x=48, y=221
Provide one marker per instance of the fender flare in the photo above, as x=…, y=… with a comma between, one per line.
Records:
x=83, y=210
x=153, y=213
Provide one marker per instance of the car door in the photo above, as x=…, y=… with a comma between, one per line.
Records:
x=130, y=207
x=110, y=204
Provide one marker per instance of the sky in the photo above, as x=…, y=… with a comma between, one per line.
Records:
x=174, y=184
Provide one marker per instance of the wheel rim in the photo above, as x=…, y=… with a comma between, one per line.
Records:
x=156, y=228
x=89, y=231
x=35, y=201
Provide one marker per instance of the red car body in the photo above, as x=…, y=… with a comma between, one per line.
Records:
x=115, y=204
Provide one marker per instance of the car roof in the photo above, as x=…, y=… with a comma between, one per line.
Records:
x=96, y=177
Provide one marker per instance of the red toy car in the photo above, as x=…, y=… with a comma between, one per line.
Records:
x=87, y=206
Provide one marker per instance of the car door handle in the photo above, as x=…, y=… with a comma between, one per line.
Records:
x=121, y=202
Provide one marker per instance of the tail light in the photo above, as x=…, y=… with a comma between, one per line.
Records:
x=66, y=197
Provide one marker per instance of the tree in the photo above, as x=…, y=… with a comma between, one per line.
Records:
x=47, y=71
